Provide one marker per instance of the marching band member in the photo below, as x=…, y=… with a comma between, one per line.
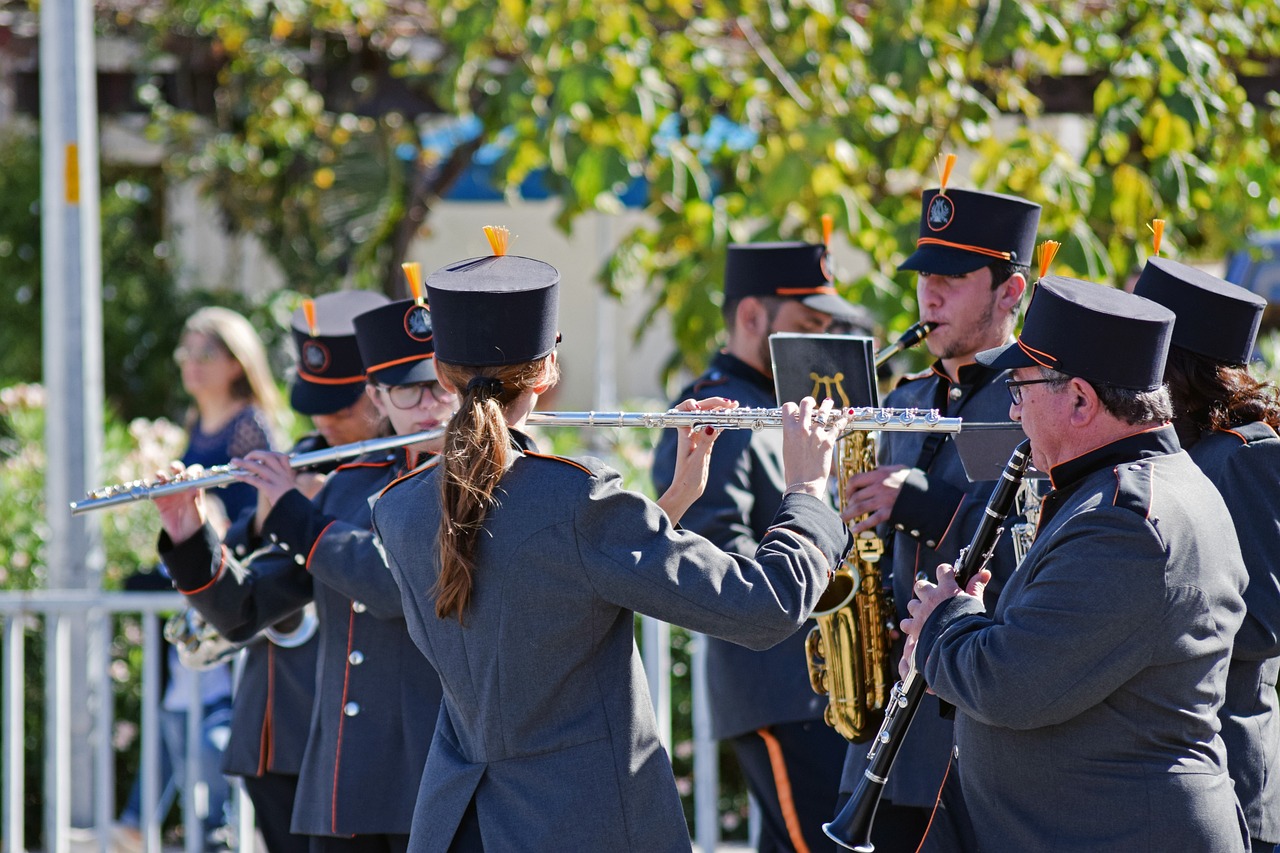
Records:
x=520, y=574
x=972, y=261
x=376, y=697
x=277, y=684
x=1087, y=703
x=1227, y=420
x=761, y=701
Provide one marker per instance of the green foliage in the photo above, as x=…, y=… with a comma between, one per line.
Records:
x=131, y=450
x=143, y=312
x=849, y=108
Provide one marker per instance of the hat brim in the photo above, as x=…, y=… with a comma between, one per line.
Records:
x=944, y=260
x=839, y=309
x=310, y=398
x=1007, y=357
x=409, y=373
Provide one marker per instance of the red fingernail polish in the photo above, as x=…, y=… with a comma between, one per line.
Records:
x=709, y=430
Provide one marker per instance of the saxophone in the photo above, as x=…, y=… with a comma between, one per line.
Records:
x=849, y=651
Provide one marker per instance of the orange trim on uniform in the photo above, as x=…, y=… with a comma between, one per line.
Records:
x=347, y=465
x=980, y=250
x=950, y=524
x=268, y=752
x=222, y=566
x=384, y=365
x=316, y=544
x=804, y=291
x=328, y=380
x=782, y=782
x=409, y=475
x=584, y=469
x=342, y=721
x=936, y=805
x=1236, y=434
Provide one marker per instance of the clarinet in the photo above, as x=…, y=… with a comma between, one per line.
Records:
x=852, y=827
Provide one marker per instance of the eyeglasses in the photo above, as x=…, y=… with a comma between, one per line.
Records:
x=1015, y=387
x=409, y=396
x=200, y=355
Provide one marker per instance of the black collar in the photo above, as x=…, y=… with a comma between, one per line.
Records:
x=734, y=366
x=1157, y=441
x=972, y=373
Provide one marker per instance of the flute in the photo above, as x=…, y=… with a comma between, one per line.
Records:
x=859, y=418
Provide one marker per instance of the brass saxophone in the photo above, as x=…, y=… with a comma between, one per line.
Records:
x=849, y=651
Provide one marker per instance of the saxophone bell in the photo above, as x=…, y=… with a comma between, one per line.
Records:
x=201, y=647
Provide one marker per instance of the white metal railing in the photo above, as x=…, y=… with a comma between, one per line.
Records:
x=77, y=630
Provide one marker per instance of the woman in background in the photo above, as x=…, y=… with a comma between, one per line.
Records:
x=235, y=405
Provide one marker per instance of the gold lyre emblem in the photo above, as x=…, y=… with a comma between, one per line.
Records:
x=831, y=385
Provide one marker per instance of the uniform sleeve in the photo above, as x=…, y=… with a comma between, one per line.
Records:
x=1086, y=621
x=634, y=558
x=1247, y=480
x=338, y=553
x=239, y=597
x=722, y=513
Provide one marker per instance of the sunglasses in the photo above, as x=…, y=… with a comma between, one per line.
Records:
x=199, y=355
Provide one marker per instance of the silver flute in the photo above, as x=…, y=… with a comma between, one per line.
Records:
x=854, y=419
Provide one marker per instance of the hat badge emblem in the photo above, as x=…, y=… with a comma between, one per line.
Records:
x=315, y=356
x=417, y=323
x=940, y=213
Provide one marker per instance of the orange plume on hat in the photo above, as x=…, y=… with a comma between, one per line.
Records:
x=828, y=225
x=1157, y=230
x=309, y=311
x=413, y=274
x=944, y=173
x=499, y=236
x=1045, y=253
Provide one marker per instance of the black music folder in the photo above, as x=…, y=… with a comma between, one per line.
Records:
x=985, y=449
x=841, y=367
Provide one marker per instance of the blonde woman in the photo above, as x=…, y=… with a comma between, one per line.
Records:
x=235, y=405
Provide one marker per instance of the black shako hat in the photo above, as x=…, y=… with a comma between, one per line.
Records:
x=965, y=230
x=1091, y=331
x=792, y=270
x=396, y=343
x=329, y=375
x=1215, y=318
x=501, y=309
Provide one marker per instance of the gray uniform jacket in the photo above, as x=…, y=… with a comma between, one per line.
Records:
x=748, y=689
x=547, y=721
x=275, y=690
x=1244, y=463
x=935, y=515
x=1088, y=703
x=376, y=697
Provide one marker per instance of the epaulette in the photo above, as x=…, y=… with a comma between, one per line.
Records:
x=1251, y=432
x=1133, y=487
x=711, y=380
x=410, y=475
x=912, y=377
x=583, y=468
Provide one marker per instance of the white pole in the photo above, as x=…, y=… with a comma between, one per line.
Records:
x=71, y=267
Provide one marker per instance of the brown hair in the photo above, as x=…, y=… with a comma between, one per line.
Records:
x=1209, y=394
x=477, y=447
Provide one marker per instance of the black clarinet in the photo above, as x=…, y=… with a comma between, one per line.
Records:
x=852, y=827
